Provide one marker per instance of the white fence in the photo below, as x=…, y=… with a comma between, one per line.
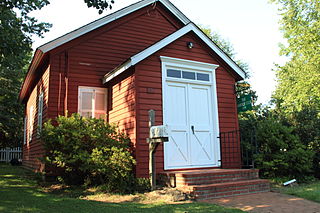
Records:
x=7, y=154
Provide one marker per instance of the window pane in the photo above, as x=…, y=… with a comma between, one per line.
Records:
x=100, y=101
x=86, y=101
x=174, y=73
x=188, y=75
x=203, y=77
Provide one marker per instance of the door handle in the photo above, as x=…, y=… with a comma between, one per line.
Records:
x=192, y=129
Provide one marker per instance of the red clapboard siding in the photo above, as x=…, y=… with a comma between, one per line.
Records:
x=33, y=149
x=85, y=60
x=122, y=112
x=148, y=77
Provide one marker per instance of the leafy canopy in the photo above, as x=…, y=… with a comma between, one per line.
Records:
x=242, y=87
x=16, y=28
x=298, y=79
x=100, y=5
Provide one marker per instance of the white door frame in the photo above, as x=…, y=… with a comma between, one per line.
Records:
x=195, y=66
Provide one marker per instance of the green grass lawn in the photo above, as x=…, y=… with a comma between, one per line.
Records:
x=307, y=191
x=19, y=192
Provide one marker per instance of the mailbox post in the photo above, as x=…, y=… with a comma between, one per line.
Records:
x=157, y=135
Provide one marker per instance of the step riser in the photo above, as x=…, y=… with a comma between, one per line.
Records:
x=234, y=191
x=229, y=194
x=182, y=181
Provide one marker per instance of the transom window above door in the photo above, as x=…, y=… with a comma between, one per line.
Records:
x=175, y=73
x=92, y=102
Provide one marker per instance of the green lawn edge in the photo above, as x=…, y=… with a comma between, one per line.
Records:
x=310, y=191
x=19, y=192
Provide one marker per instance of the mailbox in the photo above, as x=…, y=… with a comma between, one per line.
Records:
x=159, y=133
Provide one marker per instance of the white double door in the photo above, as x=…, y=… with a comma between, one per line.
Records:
x=188, y=110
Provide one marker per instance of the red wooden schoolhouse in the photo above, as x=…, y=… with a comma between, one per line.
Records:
x=146, y=56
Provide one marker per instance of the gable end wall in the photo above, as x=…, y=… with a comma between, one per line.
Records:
x=149, y=96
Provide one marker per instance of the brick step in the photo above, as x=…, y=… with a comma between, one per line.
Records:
x=209, y=176
x=218, y=190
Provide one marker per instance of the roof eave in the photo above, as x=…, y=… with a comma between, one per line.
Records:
x=37, y=58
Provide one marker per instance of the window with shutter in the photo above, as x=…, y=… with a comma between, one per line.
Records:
x=31, y=117
x=40, y=112
x=92, y=102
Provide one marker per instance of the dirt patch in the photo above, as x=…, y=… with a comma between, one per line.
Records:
x=165, y=195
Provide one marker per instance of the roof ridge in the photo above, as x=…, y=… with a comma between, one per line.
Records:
x=108, y=19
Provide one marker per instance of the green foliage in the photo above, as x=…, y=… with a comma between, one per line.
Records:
x=298, y=79
x=297, y=96
x=16, y=28
x=90, y=152
x=306, y=124
x=226, y=46
x=281, y=153
x=242, y=87
x=280, y=150
x=100, y=5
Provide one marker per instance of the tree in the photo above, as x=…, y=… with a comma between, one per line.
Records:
x=298, y=79
x=226, y=46
x=16, y=29
x=242, y=87
x=297, y=95
x=100, y=5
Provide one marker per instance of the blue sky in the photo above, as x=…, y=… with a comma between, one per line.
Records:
x=251, y=26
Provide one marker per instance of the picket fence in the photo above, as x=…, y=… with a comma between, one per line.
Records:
x=7, y=154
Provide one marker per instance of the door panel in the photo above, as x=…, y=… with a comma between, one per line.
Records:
x=201, y=120
x=177, y=150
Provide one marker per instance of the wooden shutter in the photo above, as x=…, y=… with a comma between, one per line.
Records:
x=40, y=112
x=25, y=129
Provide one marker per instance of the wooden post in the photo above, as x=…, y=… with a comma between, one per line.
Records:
x=152, y=148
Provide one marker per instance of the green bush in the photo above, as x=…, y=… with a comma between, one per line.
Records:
x=281, y=153
x=307, y=127
x=89, y=151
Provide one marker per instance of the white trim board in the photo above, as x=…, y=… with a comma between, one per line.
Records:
x=110, y=18
x=164, y=42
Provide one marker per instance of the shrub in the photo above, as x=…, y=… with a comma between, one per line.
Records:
x=281, y=153
x=89, y=151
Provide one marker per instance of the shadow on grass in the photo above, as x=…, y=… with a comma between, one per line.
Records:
x=19, y=194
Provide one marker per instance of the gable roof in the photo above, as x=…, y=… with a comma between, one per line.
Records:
x=42, y=52
x=110, y=18
x=167, y=40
